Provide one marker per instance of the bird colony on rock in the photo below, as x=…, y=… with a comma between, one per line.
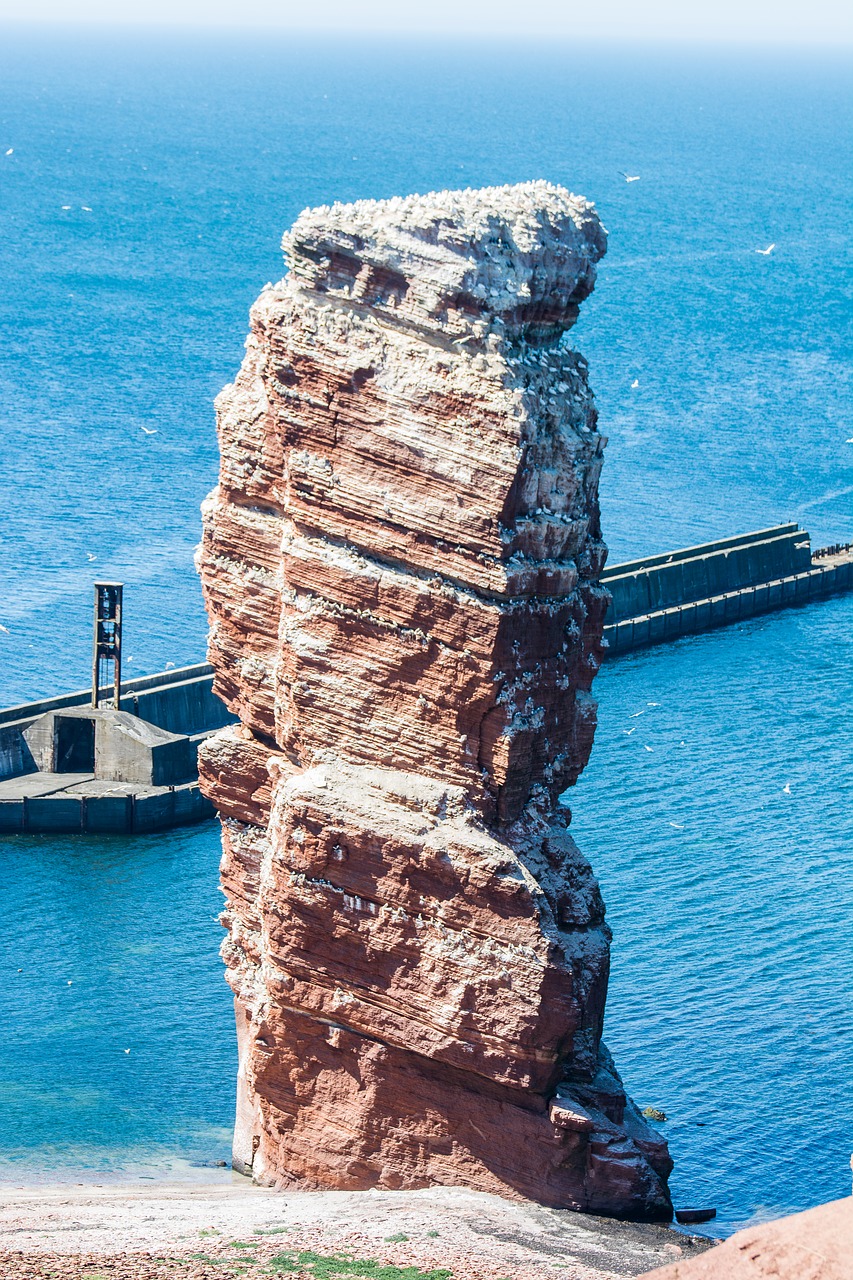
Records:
x=400, y=566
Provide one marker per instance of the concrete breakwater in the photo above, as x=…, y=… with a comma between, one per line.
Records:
x=65, y=767
x=699, y=588
x=47, y=784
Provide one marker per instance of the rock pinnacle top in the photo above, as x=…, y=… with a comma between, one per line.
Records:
x=516, y=261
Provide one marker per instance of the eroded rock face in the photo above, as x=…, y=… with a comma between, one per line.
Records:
x=400, y=566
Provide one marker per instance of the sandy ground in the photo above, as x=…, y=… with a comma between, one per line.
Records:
x=212, y=1232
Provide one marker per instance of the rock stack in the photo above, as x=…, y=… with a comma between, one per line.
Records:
x=400, y=565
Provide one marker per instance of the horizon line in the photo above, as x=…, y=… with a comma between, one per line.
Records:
x=731, y=41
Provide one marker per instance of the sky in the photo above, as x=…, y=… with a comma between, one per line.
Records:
x=771, y=22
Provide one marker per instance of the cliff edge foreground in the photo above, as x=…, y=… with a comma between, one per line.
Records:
x=814, y=1245
x=401, y=568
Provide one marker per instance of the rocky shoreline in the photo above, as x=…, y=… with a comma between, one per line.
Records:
x=204, y=1232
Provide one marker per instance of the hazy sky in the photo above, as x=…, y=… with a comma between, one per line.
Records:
x=765, y=21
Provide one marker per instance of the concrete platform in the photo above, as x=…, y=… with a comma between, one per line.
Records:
x=75, y=803
x=180, y=701
x=32, y=785
x=47, y=783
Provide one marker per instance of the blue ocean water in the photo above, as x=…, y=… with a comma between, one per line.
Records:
x=729, y=897
x=149, y=180
x=118, y=1056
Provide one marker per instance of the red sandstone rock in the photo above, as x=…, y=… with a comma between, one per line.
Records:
x=401, y=568
x=815, y=1245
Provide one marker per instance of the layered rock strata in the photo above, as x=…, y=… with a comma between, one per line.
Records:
x=400, y=566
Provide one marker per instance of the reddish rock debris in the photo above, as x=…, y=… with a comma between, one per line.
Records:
x=815, y=1245
x=400, y=565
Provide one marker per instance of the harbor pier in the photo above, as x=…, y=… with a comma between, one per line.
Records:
x=67, y=766
x=660, y=598
x=70, y=765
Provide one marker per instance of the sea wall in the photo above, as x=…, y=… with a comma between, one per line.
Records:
x=654, y=599
x=401, y=568
x=717, y=584
x=665, y=581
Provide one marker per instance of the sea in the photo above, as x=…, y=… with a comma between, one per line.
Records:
x=146, y=178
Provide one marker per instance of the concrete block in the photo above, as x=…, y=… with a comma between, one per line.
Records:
x=108, y=813
x=128, y=749
x=190, y=805
x=40, y=738
x=664, y=583
x=802, y=553
x=11, y=816
x=190, y=707
x=625, y=634
x=702, y=615
x=114, y=745
x=82, y=697
x=630, y=596
x=716, y=577
x=172, y=808
x=702, y=587
x=153, y=812
x=747, y=602
x=704, y=549
x=672, y=623
x=717, y=611
x=58, y=812
x=689, y=614
x=657, y=627
x=695, y=580
x=641, y=632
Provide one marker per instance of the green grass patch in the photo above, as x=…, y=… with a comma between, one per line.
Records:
x=243, y=1244
x=271, y=1231
x=397, y=1239
x=332, y=1266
